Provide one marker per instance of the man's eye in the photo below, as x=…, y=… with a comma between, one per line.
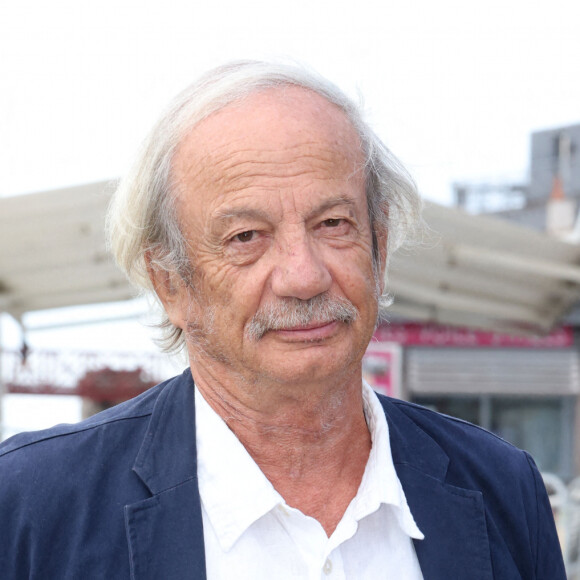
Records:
x=332, y=222
x=245, y=236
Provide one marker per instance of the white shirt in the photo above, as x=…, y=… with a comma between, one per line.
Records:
x=251, y=533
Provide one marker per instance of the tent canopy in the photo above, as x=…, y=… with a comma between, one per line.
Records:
x=469, y=270
x=52, y=250
x=485, y=272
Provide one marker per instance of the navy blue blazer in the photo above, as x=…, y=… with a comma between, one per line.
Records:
x=116, y=497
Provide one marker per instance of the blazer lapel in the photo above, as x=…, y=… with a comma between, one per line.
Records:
x=456, y=543
x=165, y=536
x=165, y=531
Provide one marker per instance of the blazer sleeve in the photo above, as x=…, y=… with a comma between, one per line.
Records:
x=543, y=535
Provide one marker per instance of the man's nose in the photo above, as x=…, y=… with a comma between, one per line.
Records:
x=300, y=271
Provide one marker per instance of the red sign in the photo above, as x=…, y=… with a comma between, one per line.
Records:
x=382, y=368
x=413, y=334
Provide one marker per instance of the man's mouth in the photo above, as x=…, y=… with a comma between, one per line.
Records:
x=308, y=326
x=315, y=331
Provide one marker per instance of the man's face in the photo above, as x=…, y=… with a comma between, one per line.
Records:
x=271, y=200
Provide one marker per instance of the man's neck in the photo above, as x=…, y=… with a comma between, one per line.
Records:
x=310, y=441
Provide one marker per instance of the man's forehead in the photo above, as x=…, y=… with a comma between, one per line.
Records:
x=277, y=127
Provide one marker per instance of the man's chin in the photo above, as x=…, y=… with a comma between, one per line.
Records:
x=310, y=362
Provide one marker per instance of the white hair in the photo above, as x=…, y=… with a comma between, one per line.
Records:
x=142, y=215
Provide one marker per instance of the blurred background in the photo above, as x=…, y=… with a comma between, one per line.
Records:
x=481, y=102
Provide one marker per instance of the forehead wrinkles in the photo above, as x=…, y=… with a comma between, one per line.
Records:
x=229, y=171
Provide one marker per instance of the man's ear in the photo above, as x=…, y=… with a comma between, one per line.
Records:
x=170, y=289
x=382, y=236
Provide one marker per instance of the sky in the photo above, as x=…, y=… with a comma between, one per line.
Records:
x=454, y=88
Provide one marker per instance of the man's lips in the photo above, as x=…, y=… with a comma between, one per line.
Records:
x=310, y=326
x=312, y=331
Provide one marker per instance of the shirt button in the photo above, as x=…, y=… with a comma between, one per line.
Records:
x=327, y=568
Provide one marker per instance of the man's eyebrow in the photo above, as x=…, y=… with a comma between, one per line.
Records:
x=229, y=214
x=333, y=202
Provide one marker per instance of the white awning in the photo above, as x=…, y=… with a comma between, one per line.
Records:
x=470, y=270
x=485, y=272
x=52, y=250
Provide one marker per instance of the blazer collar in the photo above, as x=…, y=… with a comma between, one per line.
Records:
x=456, y=543
x=165, y=531
x=168, y=455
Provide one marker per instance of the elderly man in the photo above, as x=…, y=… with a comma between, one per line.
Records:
x=262, y=211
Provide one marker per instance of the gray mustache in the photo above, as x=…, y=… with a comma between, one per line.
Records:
x=293, y=312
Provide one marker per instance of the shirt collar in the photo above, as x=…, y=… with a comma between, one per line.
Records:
x=380, y=483
x=233, y=490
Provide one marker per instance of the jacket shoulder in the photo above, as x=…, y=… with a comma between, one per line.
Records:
x=63, y=485
x=450, y=433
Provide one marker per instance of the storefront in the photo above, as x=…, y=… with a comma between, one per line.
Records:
x=523, y=389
